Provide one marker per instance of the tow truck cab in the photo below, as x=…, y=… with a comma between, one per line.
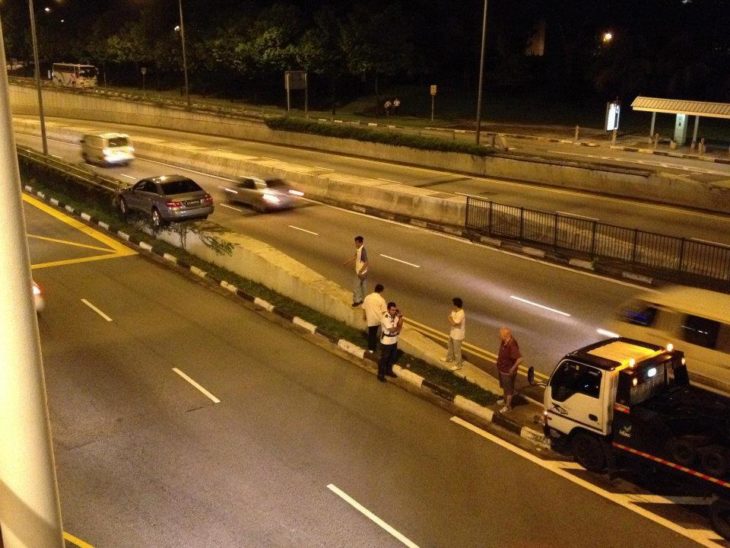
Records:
x=591, y=392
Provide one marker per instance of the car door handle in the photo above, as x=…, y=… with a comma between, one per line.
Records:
x=592, y=417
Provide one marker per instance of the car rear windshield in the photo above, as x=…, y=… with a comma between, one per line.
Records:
x=118, y=142
x=275, y=183
x=180, y=187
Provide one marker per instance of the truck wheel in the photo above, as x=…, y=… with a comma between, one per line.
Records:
x=715, y=460
x=588, y=451
x=720, y=517
x=684, y=450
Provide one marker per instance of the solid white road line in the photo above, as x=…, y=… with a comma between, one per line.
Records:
x=701, y=536
x=231, y=207
x=196, y=385
x=304, y=230
x=360, y=508
x=569, y=214
x=87, y=303
x=516, y=298
x=400, y=261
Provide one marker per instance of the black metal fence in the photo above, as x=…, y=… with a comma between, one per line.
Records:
x=596, y=240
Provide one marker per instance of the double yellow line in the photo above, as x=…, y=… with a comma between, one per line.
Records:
x=473, y=350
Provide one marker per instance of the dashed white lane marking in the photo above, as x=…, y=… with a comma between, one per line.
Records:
x=360, y=508
x=709, y=242
x=569, y=214
x=538, y=305
x=701, y=536
x=128, y=176
x=87, y=303
x=607, y=333
x=304, y=230
x=389, y=181
x=400, y=261
x=196, y=385
x=231, y=207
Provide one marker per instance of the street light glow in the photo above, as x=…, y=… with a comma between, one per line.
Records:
x=607, y=37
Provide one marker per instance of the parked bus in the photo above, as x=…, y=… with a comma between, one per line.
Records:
x=74, y=75
x=696, y=320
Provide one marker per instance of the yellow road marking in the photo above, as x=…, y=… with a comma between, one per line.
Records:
x=76, y=541
x=472, y=349
x=113, y=248
x=67, y=242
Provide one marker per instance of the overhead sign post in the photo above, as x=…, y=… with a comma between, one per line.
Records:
x=296, y=79
x=613, y=112
x=434, y=90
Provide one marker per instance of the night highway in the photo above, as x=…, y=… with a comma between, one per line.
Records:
x=182, y=417
x=551, y=309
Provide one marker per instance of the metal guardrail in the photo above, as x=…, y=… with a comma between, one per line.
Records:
x=80, y=172
x=595, y=240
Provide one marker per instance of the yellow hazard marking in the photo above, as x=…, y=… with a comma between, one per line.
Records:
x=76, y=541
x=439, y=336
x=66, y=242
x=112, y=250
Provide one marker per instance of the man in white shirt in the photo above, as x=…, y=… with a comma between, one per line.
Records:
x=373, y=309
x=360, y=258
x=392, y=322
x=457, y=320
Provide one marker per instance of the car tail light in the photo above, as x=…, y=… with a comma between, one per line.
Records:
x=173, y=204
x=208, y=199
x=296, y=192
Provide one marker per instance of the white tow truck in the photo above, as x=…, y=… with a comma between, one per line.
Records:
x=623, y=397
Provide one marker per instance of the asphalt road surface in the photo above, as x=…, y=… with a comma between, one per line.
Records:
x=180, y=417
x=551, y=310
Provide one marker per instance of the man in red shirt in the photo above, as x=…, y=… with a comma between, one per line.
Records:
x=508, y=360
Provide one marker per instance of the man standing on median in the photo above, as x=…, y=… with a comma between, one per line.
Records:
x=457, y=320
x=392, y=322
x=373, y=309
x=508, y=359
x=360, y=259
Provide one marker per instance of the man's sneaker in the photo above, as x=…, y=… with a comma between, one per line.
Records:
x=505, y=409
x=500, y=401
x=447, y=360
x=455, y=367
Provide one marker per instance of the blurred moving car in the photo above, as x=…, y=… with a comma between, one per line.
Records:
x=262, y=194
x=166, y=198
x=38, y=300
x=107, y=149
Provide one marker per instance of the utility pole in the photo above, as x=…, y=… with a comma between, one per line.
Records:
x=37, y=77
x=481, y=73
x=30, y=512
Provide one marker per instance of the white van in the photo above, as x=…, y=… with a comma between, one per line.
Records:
x=695, y=321
x=107, y=149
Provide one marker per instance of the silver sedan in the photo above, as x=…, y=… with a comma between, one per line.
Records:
x=166, y=198
x=262, y=194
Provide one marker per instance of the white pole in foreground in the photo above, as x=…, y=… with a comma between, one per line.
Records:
x=30, y=513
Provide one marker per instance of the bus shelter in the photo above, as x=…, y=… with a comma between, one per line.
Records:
x=682, y=109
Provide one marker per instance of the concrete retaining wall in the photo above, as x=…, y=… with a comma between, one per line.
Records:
x=622, y=182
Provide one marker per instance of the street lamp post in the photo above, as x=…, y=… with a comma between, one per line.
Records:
x=184, y=55
x=37, y=76
x=481, y=74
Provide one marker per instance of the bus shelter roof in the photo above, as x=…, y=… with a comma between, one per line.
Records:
x=681, y=106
